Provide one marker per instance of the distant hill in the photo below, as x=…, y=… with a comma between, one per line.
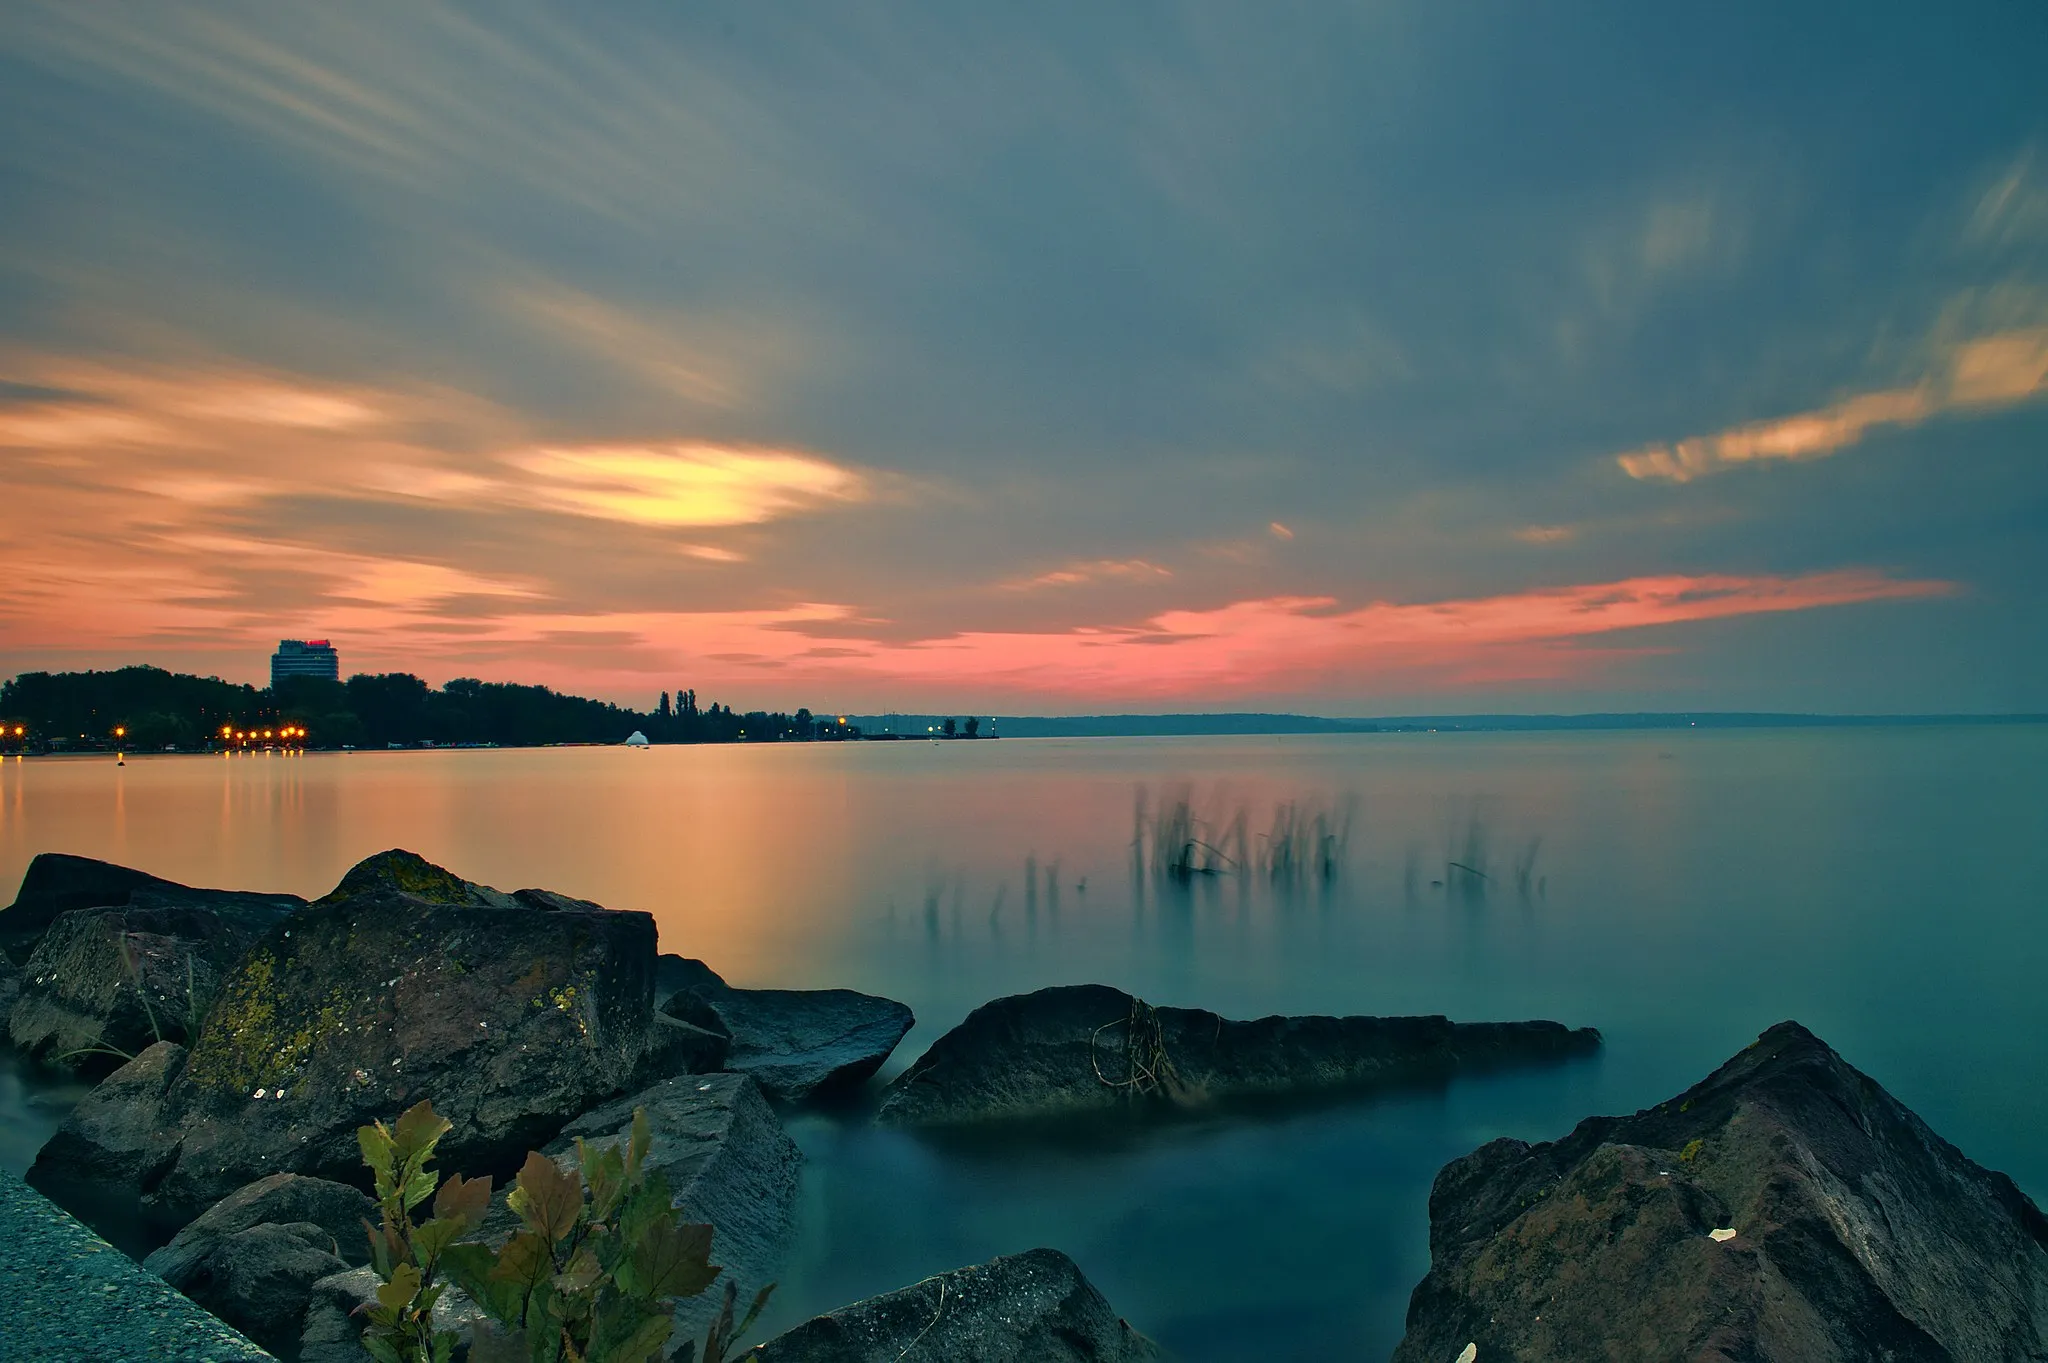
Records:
x=1137, y=726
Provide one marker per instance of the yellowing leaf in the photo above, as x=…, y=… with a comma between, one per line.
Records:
x=397, y=1294
x=419, y=1126
x=467, y=1200
x=548, y=1199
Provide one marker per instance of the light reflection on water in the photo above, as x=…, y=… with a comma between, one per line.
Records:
x=1689, y=889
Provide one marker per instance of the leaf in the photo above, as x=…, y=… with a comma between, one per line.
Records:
x=630, y=1335
x=642, y=1139
x=419, y=1126
x=375, y=1143
x=443, y=1347
x=604, y=1169
x=383, y=1350
x=668, y=1259
x=581, y=1276
x=380, y=1249
x=430, y=1240
x=465, y=1199
x=396, y=1294
x=548, y=1199
x=471, y=1266
x=645, y=1205
x=419, y=1186
x=753, y=1314
x=526, y=1260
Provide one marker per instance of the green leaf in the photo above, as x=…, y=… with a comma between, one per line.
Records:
x=432, y=1239
x=396, y=1294
x=470, y=1267
x=753, y=1314
x=443, y=1347
x=630, y=1335
x=465, y=1199
x=604, y=1169
x=548, y=1199
x=383, y=1350
x=419, y=1186
x=526, y=1261
x=375, y=1143
x=380, y=1249
x=581, y=1275
x=642, y=1139
x=668, y=1259
x=646, y=1205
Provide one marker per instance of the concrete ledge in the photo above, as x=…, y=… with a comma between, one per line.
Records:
x=67, y=1296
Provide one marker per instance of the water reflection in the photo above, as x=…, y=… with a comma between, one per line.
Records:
x=1880, y=885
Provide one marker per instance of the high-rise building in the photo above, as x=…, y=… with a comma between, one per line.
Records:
x=304, y=658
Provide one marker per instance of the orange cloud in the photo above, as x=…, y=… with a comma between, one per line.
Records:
x=1093, y=570
x=680, y=484
x=1991, y=371
x=1266, y=646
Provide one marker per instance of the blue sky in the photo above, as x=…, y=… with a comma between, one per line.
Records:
x=1348, y=358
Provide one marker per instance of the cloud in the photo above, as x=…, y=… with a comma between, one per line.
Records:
x=1092, y=570
x=1985, y=373
x=1545, y=534
x=679, y=484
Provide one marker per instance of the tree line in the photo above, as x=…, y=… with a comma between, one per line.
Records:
x=154, y=709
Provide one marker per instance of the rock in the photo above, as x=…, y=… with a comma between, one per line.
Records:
x=118, y=1138
x=10, y=985
x=673, y=973
x=683, y=1048
x=107, y=982
x=333, y=1331
x=57, y=882
x=1785, y=1207
x=1033, y=1307
x=405, y=983
x=281, y=1199
x=728, y=1162
x=260, y=1279
x=1086, y=1048
x=797, y=1043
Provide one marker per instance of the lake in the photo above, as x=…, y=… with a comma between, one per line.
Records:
x=1680, y=890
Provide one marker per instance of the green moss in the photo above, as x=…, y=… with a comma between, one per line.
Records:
x=1691, y=1151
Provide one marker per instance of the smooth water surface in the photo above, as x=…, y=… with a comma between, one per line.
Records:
x=1687, y=889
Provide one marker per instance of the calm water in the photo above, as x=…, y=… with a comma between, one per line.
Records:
x=1885, y=887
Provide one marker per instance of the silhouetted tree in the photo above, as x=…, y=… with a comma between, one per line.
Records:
x=947, y=728
x=973, y=727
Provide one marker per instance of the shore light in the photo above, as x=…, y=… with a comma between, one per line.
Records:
x=120, y=731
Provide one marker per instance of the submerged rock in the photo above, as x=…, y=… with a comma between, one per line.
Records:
x=1085, y=1048
x=728, y=1162
x=1033, y=1307
x=106, y=982
x=1786, y=1207
x=797, y=1043
x=405, y=983
x=57, y=882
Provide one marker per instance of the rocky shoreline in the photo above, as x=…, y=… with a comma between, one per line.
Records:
x=245, y=1038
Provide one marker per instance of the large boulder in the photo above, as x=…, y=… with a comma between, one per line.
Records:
x=280, y=1199
x=105, y=982
x=10, y=985
x=1786, y=1207
x=797, y=1043
x=1086, y=1048
x=260, y=1279
x=57, y=882
x=728, y=1163
x=511, y=1013
x=1033, y=1307
x=120, y=1137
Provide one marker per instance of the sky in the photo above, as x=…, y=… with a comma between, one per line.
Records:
x=1343, y=358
